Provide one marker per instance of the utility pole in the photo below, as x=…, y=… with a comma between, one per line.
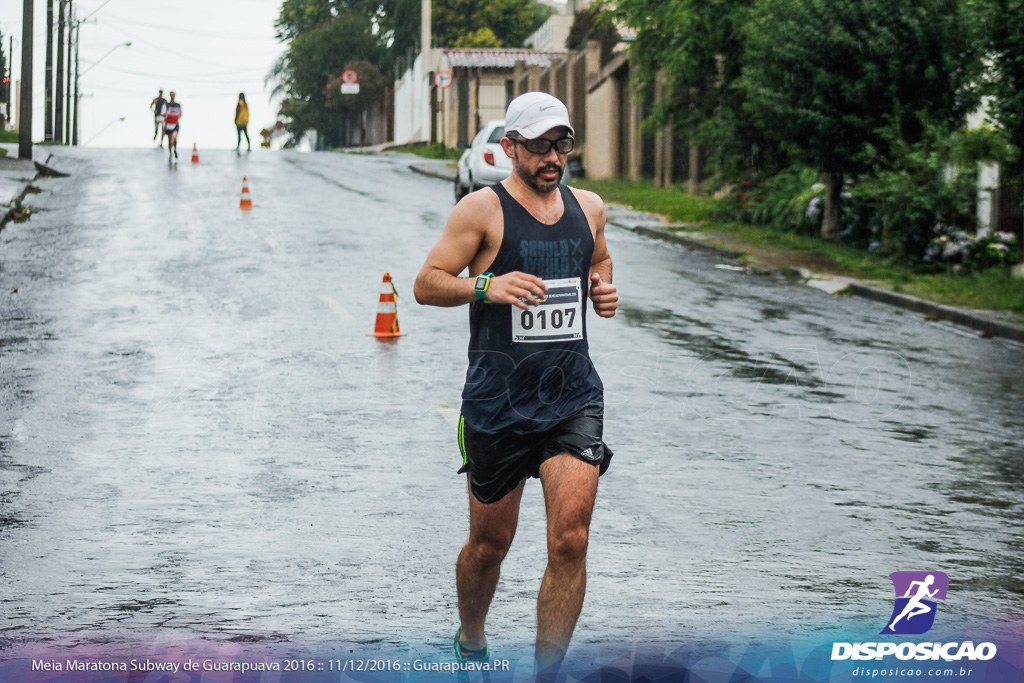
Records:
x=74, y=124
x=48, y=116
x=67, y=94
x=25, y=117
x=10, y=77
x=58, y=100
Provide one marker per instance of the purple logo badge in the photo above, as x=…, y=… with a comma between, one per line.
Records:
x=916, y=593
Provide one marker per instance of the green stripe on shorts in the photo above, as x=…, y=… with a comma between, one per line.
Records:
x=462, y=437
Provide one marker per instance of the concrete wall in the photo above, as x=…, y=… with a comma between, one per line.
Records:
x=448, y=112
x=491, y=102
x=604, y=109
x=601, y=156
x=551, y=36
x=486, y=95
x=576, y=95
x=412, y=105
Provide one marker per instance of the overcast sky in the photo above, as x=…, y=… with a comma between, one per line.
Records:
x=207, y=51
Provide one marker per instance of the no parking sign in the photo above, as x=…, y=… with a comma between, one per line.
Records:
x=348, y=82
x=442, y=79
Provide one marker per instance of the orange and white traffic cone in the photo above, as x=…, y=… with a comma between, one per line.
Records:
x=195, y=154
x=246, y=202
x=387, y=310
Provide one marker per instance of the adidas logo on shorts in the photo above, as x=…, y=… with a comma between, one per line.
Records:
x=588, y=454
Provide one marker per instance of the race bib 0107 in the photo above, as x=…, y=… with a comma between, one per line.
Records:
x=558, y=318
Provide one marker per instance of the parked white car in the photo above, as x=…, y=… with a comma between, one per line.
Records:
x=483, y=162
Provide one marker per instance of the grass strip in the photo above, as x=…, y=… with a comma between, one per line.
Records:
x=993, y=289
x=435, y=151
x=642, y=195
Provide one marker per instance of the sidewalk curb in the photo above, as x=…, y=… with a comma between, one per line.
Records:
x=987, y=328
x=959, y=316
x=42, y=170
x=430, y=173
x=20, y=197
x=688, y=242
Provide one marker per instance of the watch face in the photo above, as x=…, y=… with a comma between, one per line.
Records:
x=481, y=282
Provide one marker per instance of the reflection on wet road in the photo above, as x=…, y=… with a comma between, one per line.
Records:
x=199, y=441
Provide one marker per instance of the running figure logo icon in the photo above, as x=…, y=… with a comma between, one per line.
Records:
x=914, y=612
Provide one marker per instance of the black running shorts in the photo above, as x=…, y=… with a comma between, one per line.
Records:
x=498, y=462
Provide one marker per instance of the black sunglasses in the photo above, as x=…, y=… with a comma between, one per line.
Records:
x=543, y=145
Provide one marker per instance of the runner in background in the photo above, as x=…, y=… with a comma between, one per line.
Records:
x=158, y=105
x=242, y=122
x=171, y=127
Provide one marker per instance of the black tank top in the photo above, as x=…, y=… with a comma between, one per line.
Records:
x=528, y=370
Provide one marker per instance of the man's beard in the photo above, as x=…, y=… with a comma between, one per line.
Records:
x=533, y=179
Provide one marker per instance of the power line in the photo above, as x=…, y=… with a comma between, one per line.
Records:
x=181, y=56
x=187, y=31
x=210, y=78
x=227, y=93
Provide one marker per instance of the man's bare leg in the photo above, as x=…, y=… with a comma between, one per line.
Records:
x=491, y=530
x=570, y=488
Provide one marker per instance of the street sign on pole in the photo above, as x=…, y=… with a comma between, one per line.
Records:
x=443, y=79
x=349, y=76
x=349, y=88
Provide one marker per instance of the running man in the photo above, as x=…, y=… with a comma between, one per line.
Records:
x=171, y=127
x=158, y=105
x=533, y=404
x=914, y=606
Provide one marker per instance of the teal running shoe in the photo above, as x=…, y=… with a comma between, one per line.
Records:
x=465, y=654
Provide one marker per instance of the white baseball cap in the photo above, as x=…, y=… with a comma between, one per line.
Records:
x=534, y=113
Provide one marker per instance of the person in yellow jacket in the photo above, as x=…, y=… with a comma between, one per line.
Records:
x=242, y=121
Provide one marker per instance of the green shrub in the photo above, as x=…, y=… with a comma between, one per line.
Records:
x=790, y=200
x=925, y=190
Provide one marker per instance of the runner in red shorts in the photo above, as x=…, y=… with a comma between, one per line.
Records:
x=171, y=126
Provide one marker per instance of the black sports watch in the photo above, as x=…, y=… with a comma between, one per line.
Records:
x=483, y=281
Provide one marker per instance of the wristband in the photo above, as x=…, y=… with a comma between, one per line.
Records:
x=483, y=281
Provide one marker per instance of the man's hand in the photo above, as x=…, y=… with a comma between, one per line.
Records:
x=604, y=295
x=508, y=288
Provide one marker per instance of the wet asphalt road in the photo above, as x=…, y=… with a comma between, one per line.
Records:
x=200, y=444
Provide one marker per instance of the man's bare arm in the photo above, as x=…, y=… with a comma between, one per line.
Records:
x=439, y=284
x=603, y=293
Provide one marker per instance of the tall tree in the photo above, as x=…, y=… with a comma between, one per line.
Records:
x=1004, y=37
x=300, y=16
x=462, y=22
x=324, y=35
x=350, y=107
x=313, y=57
x=822, y=77
x=697, y=46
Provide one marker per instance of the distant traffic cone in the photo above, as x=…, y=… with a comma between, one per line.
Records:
x=387, y=310
x=246, y=202
x=195, y=154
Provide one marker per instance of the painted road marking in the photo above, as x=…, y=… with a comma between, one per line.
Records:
x=336, y=307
